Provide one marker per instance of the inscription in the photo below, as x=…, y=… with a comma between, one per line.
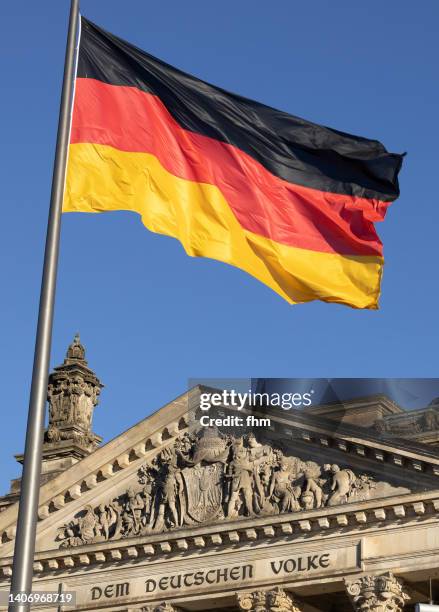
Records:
x=301, y=564
x=111, y=590
x=190, y=579
x=274, y=569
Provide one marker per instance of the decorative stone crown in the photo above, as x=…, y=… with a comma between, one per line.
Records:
x=75, y=352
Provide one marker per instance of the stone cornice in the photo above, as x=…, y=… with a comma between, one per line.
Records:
x=348, y=519
x=357, y=404
x=355, y=440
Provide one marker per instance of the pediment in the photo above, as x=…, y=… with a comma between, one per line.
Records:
x=166, y=475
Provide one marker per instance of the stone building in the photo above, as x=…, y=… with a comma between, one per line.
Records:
x=332, y=508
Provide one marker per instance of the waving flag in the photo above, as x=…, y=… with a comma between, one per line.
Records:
x=290, y=202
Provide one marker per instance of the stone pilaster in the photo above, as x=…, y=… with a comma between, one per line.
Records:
x=383, y=593
x=275, y=600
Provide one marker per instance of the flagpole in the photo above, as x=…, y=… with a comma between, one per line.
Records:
x=30, y=485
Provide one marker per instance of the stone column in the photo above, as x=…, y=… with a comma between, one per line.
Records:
x=384, y=593
x=275, y=600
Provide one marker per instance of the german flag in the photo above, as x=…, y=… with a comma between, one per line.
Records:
x=290, y=202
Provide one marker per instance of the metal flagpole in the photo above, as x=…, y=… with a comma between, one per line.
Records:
x=27, y=514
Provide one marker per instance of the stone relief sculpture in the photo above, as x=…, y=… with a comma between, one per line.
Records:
x=206, y=478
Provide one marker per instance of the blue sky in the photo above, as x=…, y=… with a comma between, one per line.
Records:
x=151, y=317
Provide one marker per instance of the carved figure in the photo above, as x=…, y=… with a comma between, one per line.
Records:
x=258, y=455
x=282, y=488
x=314, y=488
x=307, y=500
x=170, y=492
x=240, y=474
x=104, y=522
x=132, y=511
x=342, y=481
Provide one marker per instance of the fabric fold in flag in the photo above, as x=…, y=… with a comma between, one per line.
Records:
x=288, y=201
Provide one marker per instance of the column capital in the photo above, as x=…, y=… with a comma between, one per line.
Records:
x=163, y=607
x=383, y=593
x=274, y=600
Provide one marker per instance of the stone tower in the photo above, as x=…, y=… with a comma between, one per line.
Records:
x=73, y=393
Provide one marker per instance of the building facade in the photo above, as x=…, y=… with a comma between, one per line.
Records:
x=333, y=508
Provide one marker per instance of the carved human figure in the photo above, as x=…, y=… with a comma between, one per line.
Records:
x=240, y=474
x=342, y=481
x=257, y=455
x=69, y=537
x=148, y=500
x=54, y=403
x=383, y=593
x=132, y=512
x=115, y=512
x=314, y=488
x=104, y=521
x=283, y=489
x=171, y=488
x=266, y=472
x=84, y=411
x=170, y=491
x=307, y=500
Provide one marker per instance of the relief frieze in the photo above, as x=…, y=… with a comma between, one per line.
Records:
x=210, y=477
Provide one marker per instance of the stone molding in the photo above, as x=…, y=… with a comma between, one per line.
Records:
x=382, y=593
x=378, y=449
x=251, y=531
x=276, y=600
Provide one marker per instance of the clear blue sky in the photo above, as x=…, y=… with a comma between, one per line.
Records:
x=150, y=316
